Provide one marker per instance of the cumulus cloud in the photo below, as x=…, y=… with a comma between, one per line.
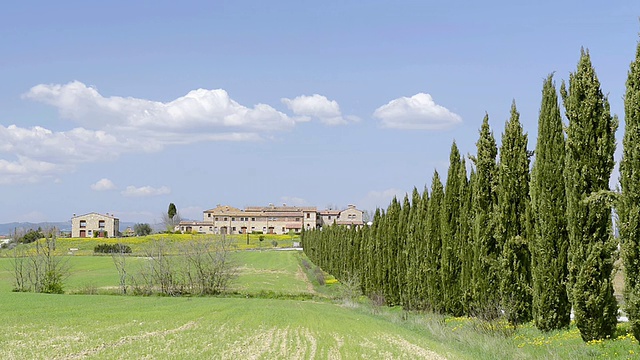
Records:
x=319, y=107
x=418, y=112
x=145, y=191
x=103, y=185
x=106, y=127
x=201, y=109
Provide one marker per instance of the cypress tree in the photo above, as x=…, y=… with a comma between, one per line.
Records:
x=413, y=252
x=485, y=270
x=432, y=268
x=513, y=199
x=451, y=219
x=422, y=251
x=550, y=242
x=589, y=161
x=629, y=206
x=391, y=246
x=404, y=226
x=465, y=236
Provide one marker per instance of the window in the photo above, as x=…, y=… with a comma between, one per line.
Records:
x=217, y=218
x=234, y=228
x=83, y=223
x=308, y=215
x=233, y=219
x=225, y=219
x=329, y=217
x=283, y=229
x=210, y=228
x=101, y=224
x=297, y=219
x=253, y=219
x=209, y=215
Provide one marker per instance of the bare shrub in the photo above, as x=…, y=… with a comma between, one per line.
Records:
x=351, y=288
x=306, y=264
x=120, y=261
x=39, y=268
x=377, y=301
x=319, y=275
x=208, y=267
x=199, y=267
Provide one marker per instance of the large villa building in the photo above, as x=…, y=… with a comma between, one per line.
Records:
x=224, y=219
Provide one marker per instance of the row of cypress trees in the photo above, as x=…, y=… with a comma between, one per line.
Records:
x=515, y=239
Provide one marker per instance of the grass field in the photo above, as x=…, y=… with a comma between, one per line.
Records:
x=272, y=311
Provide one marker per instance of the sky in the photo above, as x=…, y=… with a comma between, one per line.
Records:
x=126, y=106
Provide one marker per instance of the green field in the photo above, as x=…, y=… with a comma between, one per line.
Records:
x=272, y=310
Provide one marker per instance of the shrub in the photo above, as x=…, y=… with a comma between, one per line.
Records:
x=319, y=274
x=112, y=249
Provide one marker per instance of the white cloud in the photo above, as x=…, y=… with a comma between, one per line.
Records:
x=108, y=127
x=145, y=191
x=380, y=199
x=200, y=109
x=318, y=106
x=418, y=112
x=103, y=185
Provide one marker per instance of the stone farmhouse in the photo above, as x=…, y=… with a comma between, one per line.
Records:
x=95, y=225
x=224, y=219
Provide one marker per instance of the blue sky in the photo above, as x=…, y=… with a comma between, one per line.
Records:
x=123, y=107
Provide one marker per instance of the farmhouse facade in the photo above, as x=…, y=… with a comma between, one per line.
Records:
x=94, y=225
x=224, y=219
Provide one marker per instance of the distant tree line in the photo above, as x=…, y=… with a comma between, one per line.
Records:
x=524, y=237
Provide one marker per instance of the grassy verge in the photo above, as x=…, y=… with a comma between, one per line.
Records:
x=85, y=246
x=280, y=306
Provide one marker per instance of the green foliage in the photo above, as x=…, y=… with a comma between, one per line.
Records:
x=595, y=306
x=549, y=242
x=112, y=248
x=513, y=200
x=452, y=236
x=486, y=269
x=172, y=211
x=590, y=146
x=142, y=229
x=39, y=269
x=31, y=236
x=629, y=204
x=433, y=254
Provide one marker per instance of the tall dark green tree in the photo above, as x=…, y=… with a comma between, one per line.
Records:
x=465, y=236
x=589, y=161
x=629, y=205
x=451, y=246
x=549, y=242
x=404, y=227
x=172, y=211
x=433, y=234
x=513, y=200
x=391, y=245
x=486, y=251
x=414, y=252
